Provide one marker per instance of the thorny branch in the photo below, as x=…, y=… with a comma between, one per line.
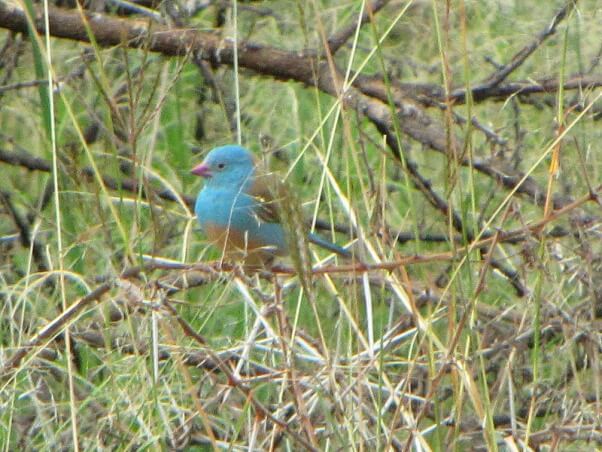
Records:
x=267, y=61
x=367, y=97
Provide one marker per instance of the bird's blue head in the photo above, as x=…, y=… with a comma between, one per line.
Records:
x=227, y=166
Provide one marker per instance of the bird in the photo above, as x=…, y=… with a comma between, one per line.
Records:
x=238, y=208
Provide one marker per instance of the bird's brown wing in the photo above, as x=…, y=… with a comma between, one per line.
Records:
x=269, y=192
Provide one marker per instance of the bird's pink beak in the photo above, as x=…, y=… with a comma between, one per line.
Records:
x=202, y=170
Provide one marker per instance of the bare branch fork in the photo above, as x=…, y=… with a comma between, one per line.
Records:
x=503, y=331
x=55, y=326
x=279, y=64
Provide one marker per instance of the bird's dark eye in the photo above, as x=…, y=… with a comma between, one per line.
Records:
x=221, y=165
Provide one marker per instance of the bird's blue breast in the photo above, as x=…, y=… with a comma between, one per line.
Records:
x=235, y=210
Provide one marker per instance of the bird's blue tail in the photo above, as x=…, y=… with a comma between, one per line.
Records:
x=316, y=239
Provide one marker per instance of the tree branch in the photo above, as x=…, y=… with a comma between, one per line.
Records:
x=279, y=64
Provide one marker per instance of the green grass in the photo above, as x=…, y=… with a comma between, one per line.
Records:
x=443, y=355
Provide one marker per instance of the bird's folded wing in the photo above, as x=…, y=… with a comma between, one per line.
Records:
x=269, y=192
